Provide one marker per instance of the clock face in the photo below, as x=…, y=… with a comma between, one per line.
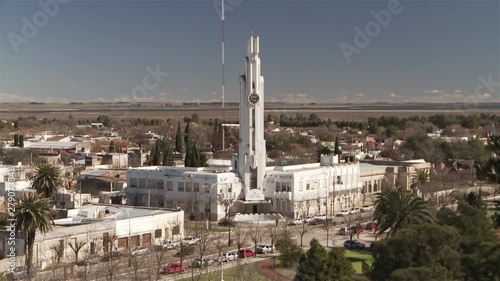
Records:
x=253, y=98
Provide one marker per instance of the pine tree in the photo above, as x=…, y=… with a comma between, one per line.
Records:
x=336, y=150
x=155, y=159
x=220, y=136
x=196, y=156
x=21, y=140
x=167, y=157
x=178, y=139
x=313, y=263
x=187, y=143
x=215, y=143
x=112, y=147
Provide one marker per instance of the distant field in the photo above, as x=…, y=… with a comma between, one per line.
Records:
x=158, y=110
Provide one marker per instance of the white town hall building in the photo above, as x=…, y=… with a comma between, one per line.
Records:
x=249, y=186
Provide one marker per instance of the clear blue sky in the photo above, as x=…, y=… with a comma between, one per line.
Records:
x=431, y=51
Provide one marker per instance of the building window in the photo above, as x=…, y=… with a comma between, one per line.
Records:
x=188, y=187
x=142, y=183
x=301, y=186
x=170, y=186
x=159, y=184
x=338, y=180
x=230, y=187
x=180, y=186
x=157, y=233
x=308, y=186
x=196, y=187
x=207, y=189
x=176, y=230
x=133, y=183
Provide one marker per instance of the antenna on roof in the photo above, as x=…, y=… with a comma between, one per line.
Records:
x=252, y=30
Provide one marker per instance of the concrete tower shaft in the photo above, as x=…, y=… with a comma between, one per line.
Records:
x=252, y=148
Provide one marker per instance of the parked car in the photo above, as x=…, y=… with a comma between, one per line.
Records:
x=190, y=240
x=320, y=217
x=115, y=255
x=308, y=219
x=167, y=245
x=296, y=222
x=355, y=210
x=174, y=268
x=353, y=244
x=89, y=261
x=198, y=262
x=244, y=253
x=141, y=250
x=366, y=208
x=264, y=249
x=228, y=256
x=343, y=213
x=226, y=222
x=343, y=231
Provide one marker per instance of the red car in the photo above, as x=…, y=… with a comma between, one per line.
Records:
x=244, y=253
x=174, y=268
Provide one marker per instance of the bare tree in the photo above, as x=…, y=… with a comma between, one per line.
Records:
x=206, y=239
x=304, y=228
x=273, y=230
x=241, y=234
x=219, y=242
x=256, y=234
x=76, y=247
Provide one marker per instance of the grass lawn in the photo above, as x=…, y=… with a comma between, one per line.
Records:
x=231, y=273
x=491, y=211
x=357, y=258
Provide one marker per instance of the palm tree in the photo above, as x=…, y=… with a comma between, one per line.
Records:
x=46, y=180
x=396, y=208
x=422, y=177
x=33, y=212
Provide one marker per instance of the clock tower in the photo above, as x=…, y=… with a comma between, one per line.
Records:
x=252, y=146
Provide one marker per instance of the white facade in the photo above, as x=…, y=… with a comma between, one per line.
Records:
x=252, y=147
x=200, y=192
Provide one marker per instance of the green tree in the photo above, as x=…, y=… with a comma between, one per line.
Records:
x=422, y=177
x=21, y=140
x=339, y=267
x=336, y=149
x=475, y=200
x=112, y=147
x=168, y=159
x=313, y=265
x=178, y=138
x=46, y=180
x=215, y=140
x=416, y=251
x=396, y=208
x=318, y=264
x=105, y=120
x=290, y=252
x=322, y=150
x=156, y=154
x=33, y=213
